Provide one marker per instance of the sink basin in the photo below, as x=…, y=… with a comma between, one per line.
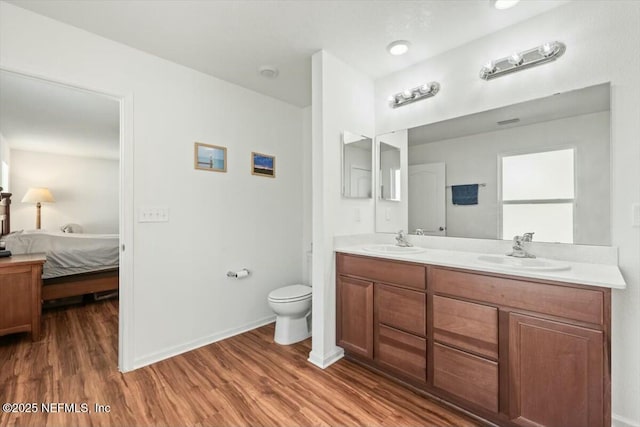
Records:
x=529, y=264
x=392, y=249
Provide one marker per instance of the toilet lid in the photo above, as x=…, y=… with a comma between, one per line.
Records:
x=290, y=292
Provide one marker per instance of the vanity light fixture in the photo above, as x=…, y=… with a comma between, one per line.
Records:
x=408, y=96
x=398, y=47
x=522, y=60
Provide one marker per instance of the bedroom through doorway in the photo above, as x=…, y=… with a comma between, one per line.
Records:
x=60, y=161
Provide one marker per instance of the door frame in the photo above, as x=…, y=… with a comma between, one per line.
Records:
x=126, y=211
x=419, y=168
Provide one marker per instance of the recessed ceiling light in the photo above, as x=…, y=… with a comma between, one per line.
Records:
x=504, y=4
x=268, y=72
x=398, y=47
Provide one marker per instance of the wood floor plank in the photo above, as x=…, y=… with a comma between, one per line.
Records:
x=247, y=380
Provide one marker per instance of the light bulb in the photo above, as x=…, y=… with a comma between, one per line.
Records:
x=547, y=49
x=406, y=94
x=515, y=59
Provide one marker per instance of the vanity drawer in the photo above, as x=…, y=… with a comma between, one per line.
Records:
x=469, y=326
x=466, y=376
x=402, y=352
x=401, y=309
x=376, y=269
x=584, y=305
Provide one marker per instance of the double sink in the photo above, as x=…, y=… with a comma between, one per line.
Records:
x=500, y=261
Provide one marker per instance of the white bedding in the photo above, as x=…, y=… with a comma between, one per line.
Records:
x=67, y=253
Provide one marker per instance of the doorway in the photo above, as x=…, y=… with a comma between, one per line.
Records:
x=77, y=141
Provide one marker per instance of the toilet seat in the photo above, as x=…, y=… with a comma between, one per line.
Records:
x=291, y=293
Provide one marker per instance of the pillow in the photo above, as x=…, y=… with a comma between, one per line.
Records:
x=71, y=228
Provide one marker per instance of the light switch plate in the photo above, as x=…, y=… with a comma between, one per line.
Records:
x=153, y=214
x=635, y=215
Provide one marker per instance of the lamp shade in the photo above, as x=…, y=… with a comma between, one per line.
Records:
x=37, y=195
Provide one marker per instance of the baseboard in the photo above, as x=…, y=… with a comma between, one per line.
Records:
x=328, y=360
x=620, y=421
x=200, y=342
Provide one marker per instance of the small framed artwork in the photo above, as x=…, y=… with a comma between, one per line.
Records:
x=263, y=165
x=210, y=157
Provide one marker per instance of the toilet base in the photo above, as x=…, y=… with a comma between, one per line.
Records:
x=291, y=330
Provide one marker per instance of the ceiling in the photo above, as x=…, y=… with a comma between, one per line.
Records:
x=232, y=39
x=592, y=99
x=37, y=115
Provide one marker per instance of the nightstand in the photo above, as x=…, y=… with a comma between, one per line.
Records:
x=20, y=289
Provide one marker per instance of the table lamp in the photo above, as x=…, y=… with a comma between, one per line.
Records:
x=38, y=195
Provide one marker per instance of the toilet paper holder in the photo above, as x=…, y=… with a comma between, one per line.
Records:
x=238, y=274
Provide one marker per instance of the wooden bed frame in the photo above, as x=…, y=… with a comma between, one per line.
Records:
x=65, y=286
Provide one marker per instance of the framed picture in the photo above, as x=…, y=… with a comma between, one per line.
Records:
x=210, y=157
x=263, y=165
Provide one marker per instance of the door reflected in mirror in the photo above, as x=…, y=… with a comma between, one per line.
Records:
x=390, y=177
x=357, y=161
x=541, y=166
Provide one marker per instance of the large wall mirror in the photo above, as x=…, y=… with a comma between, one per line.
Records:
x=357, y=159
x=539, y=166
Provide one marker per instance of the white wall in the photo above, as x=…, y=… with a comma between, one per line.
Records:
x=218, y=221
x=307, y=167
x=85, y=190
x=603, y=44
x=342, y=101
x=474, y=159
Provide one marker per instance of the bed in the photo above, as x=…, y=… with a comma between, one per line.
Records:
x=77, y=264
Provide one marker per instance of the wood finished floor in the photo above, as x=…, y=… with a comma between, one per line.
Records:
x=247, y=380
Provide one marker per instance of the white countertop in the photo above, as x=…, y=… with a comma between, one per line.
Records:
x=602, y=275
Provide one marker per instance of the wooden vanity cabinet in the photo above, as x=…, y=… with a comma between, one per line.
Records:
x=465, y=351
x=392, y=296
x=400, y=330
x=355, y=316
x=517, y=352
x=552, y=344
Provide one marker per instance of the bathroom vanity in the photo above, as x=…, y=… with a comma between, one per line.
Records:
x=510, y=348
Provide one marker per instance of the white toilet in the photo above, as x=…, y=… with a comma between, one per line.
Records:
x=292, y=305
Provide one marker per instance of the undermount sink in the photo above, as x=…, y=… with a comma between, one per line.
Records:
x=529, y=264
x=392, y=249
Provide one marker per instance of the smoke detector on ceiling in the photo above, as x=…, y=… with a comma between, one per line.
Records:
x=268, y=72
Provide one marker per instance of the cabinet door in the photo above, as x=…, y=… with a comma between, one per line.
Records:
x=355, y=316
x=16, y=299
x=555, y=373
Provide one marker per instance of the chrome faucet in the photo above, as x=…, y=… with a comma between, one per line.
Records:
x=402, y=240
x=419, y=231
x=518, y=246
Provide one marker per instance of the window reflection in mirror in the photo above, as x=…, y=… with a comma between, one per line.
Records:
x=390, y=176
x=538, y=194
x=357, y=158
